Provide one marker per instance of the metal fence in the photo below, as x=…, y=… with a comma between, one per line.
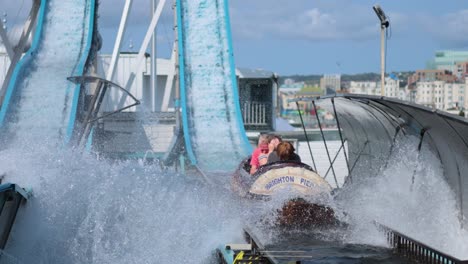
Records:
x=417, y=251
x=256, y=113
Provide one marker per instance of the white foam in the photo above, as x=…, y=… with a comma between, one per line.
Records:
x=85, y=210
x=424, y=210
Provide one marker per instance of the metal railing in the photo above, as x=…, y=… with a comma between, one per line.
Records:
x=310, y=121
x=417, y=251
x=256, y=113
x=93, y=109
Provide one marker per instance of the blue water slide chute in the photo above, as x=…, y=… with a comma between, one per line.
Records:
x=213, y=128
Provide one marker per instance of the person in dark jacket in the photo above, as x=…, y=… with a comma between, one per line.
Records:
x=284, y=152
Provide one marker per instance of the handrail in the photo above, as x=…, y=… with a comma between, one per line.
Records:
x=416, y=250
x=91, y=115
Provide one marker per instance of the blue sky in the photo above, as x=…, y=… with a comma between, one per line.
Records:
x=338, y=36
x=310, y=36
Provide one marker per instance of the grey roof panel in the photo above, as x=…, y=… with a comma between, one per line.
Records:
x=254, y=73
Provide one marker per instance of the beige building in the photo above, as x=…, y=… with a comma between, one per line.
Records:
x=392, y=88
x=369, y=88
x=442, y=95
x=330, y=81
x=430, y=94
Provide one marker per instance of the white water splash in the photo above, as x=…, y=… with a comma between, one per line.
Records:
x=84, y=210
x=424, y=210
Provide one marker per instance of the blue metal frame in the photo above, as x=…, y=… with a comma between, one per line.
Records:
x=240, y=121
x=14, y=187
x=227, y=254
x=23, y=62
x=183, y=95
x=80, y=71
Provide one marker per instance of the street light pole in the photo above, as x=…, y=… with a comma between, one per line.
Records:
x=384, y=23
x=382, y=61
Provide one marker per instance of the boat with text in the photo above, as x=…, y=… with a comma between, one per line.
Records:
x=306, y=192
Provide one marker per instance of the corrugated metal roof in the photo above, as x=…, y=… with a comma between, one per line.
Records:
x=254, y=73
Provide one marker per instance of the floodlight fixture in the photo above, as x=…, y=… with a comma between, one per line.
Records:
x=381, y=15
x=384, y=24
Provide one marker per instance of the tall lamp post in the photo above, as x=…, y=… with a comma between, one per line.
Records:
x=384, y=23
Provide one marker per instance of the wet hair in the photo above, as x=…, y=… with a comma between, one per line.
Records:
x=274, y=136
x=263, y=139
x=285, y=150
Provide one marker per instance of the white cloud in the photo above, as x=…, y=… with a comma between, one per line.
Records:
x=289, y=21
x=286, y=19
x=449, y=29
x=342, y=20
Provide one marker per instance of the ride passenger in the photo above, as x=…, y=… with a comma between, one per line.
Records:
x=274, y=141
x=260, y=153
x=285, y=152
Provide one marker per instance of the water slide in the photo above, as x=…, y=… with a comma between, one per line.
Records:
x=40, y=104
x=208, y=85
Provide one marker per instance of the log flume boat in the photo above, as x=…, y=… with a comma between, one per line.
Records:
x=287, y=176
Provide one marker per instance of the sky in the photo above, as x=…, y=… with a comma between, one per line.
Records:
x=304, y=36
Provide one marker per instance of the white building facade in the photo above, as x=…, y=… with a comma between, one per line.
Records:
x=392, y=88
x=330, y=81
x=442, y=95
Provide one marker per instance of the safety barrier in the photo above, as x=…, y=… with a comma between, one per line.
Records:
x=256, y=113
x=417, y=251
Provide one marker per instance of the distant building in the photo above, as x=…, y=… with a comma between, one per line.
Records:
x=392, y=88
x=285, y=97
x=369, y=88
x=430, y=94
x=330, y=81
x=454, y=96
x=451, y=97
x=431, y=75
x=461, y=70
x=447, y=60
x=404, y=94
x=297, y=90
x=289, y=81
